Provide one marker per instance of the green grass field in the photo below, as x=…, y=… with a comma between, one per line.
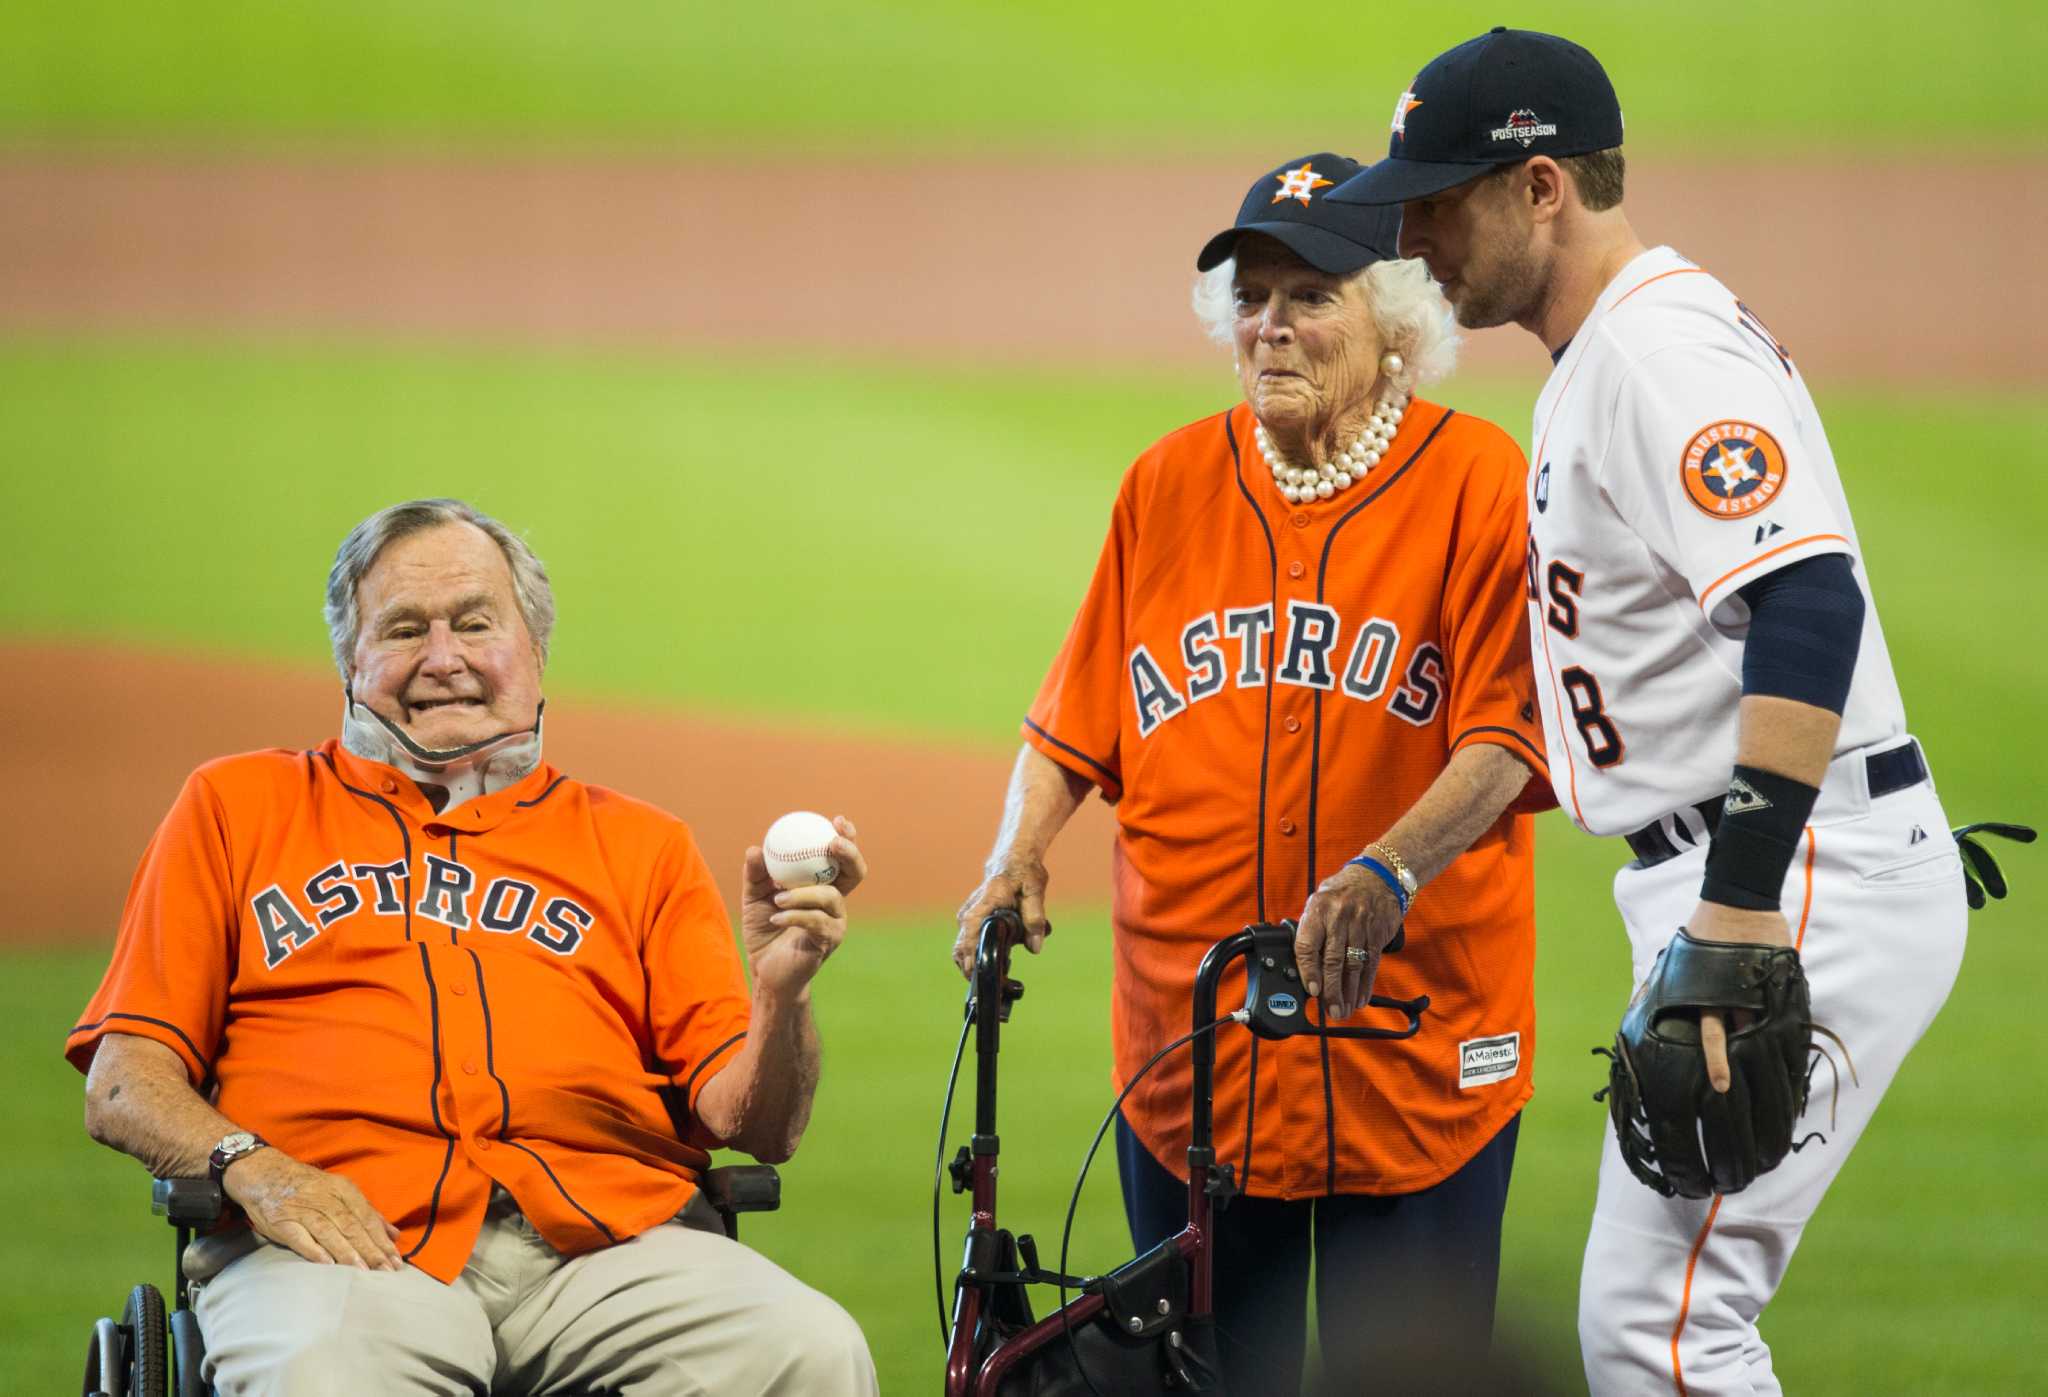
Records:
x=191, y=496
x=1761, y=76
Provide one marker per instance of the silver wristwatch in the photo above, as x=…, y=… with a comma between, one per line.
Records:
x=231, y=1148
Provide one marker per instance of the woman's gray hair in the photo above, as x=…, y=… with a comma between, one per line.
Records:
x=1409, y=312
x=371, y=537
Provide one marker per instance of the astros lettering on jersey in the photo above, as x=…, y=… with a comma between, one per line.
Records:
x=1262, y=688
x=512, y=990
x=1678, y=457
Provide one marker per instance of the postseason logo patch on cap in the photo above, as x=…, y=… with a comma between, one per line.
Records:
x=1301, y=183
x=1524, y=126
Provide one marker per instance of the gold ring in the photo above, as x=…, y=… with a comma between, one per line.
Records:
x=1357, y=953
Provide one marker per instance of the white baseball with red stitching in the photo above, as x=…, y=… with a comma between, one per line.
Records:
x=795, y=850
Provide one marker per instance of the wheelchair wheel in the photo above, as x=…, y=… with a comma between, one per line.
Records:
x=129, y=1359
x=148, y=1335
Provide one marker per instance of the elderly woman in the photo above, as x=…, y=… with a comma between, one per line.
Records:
x=1301, y=675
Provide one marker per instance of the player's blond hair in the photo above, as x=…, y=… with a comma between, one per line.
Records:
x=358, y=552
x=1410, y=315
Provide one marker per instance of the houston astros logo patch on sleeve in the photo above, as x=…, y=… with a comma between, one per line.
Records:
x=1301, y=183
x=1732, y=469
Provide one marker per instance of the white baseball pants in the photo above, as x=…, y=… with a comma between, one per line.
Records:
x=1671, y=1289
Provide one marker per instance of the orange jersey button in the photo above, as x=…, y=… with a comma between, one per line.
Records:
x=469, y=1067
x=1300, y=520
x=1293, y=723
x=1296, y=568
x=1286, y=825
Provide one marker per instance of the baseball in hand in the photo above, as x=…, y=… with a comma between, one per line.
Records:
x=795, y=850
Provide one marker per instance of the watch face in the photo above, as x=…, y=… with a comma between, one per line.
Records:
x=238, y=1142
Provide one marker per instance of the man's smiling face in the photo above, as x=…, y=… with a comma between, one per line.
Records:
x=442, y=648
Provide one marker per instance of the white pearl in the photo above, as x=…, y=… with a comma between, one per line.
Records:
x=1327, y=469
x=1372, y=458
x=1392, y=363
x=1324, y=489
x=1343, y=480
x=1394, y=415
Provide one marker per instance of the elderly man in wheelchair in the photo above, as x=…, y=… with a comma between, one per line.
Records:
x=433, y=1038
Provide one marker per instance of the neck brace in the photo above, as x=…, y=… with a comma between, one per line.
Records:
x=464, y=773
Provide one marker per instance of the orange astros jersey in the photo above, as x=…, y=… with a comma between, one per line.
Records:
x=1263, y=689
x=427, y=1005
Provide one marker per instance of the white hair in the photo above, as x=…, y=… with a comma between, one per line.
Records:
x=366, y=540
x=1410, y=314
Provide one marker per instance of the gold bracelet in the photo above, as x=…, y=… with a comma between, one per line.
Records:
x=1395, y=862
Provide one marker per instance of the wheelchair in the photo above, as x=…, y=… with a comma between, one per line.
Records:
x=157, y=1351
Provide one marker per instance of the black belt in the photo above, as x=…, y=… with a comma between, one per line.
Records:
x=1894, y=769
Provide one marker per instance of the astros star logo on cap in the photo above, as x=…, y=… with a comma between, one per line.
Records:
x=1301, y=183
x=1406, y=103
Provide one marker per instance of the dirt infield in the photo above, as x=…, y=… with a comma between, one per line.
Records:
x=1912, y=272
x=95, y=742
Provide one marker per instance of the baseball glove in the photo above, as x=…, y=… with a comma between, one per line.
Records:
x=1980, y=870
x=1678, y=1135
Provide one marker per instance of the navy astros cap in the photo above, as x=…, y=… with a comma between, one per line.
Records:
x=1292, y=204
x=1493, y=100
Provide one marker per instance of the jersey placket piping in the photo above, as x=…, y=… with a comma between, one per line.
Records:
x=1251, y=1094
x=505, y=1102
x=433, y=1099
x=1272, y=634
x=433, y=1007
x=1315, y=756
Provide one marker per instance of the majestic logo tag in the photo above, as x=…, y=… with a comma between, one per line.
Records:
x=1732, y=469
x=1300, y=183
x=1406, y=103
x=1524, y=126
x=1743, y=798
x=1543, y=488
x=1484, y=1060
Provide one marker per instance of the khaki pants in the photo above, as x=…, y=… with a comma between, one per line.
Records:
x=676, y=1310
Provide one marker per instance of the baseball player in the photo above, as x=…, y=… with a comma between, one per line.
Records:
x=1714, y=682
x=432, y=1013
x=1300, y=674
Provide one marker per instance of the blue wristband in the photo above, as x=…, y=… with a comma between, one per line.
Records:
x=1386, y=876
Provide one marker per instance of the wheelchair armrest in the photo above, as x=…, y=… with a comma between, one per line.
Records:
x=743, y=1188
x=188, y=1202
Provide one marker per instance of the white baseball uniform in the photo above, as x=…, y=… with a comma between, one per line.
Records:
x=1677, y=458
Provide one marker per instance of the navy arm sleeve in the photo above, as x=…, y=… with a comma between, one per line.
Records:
x=1805, y=628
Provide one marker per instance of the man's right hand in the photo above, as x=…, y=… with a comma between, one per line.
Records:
x=320, y=1216
x=1021, y=886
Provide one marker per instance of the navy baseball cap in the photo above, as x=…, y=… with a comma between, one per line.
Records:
x=1292, y=205
x=1493, y=100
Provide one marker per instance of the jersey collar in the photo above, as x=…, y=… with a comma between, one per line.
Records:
x=387, y=783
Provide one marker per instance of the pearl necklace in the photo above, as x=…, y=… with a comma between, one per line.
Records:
x=1300, y=484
